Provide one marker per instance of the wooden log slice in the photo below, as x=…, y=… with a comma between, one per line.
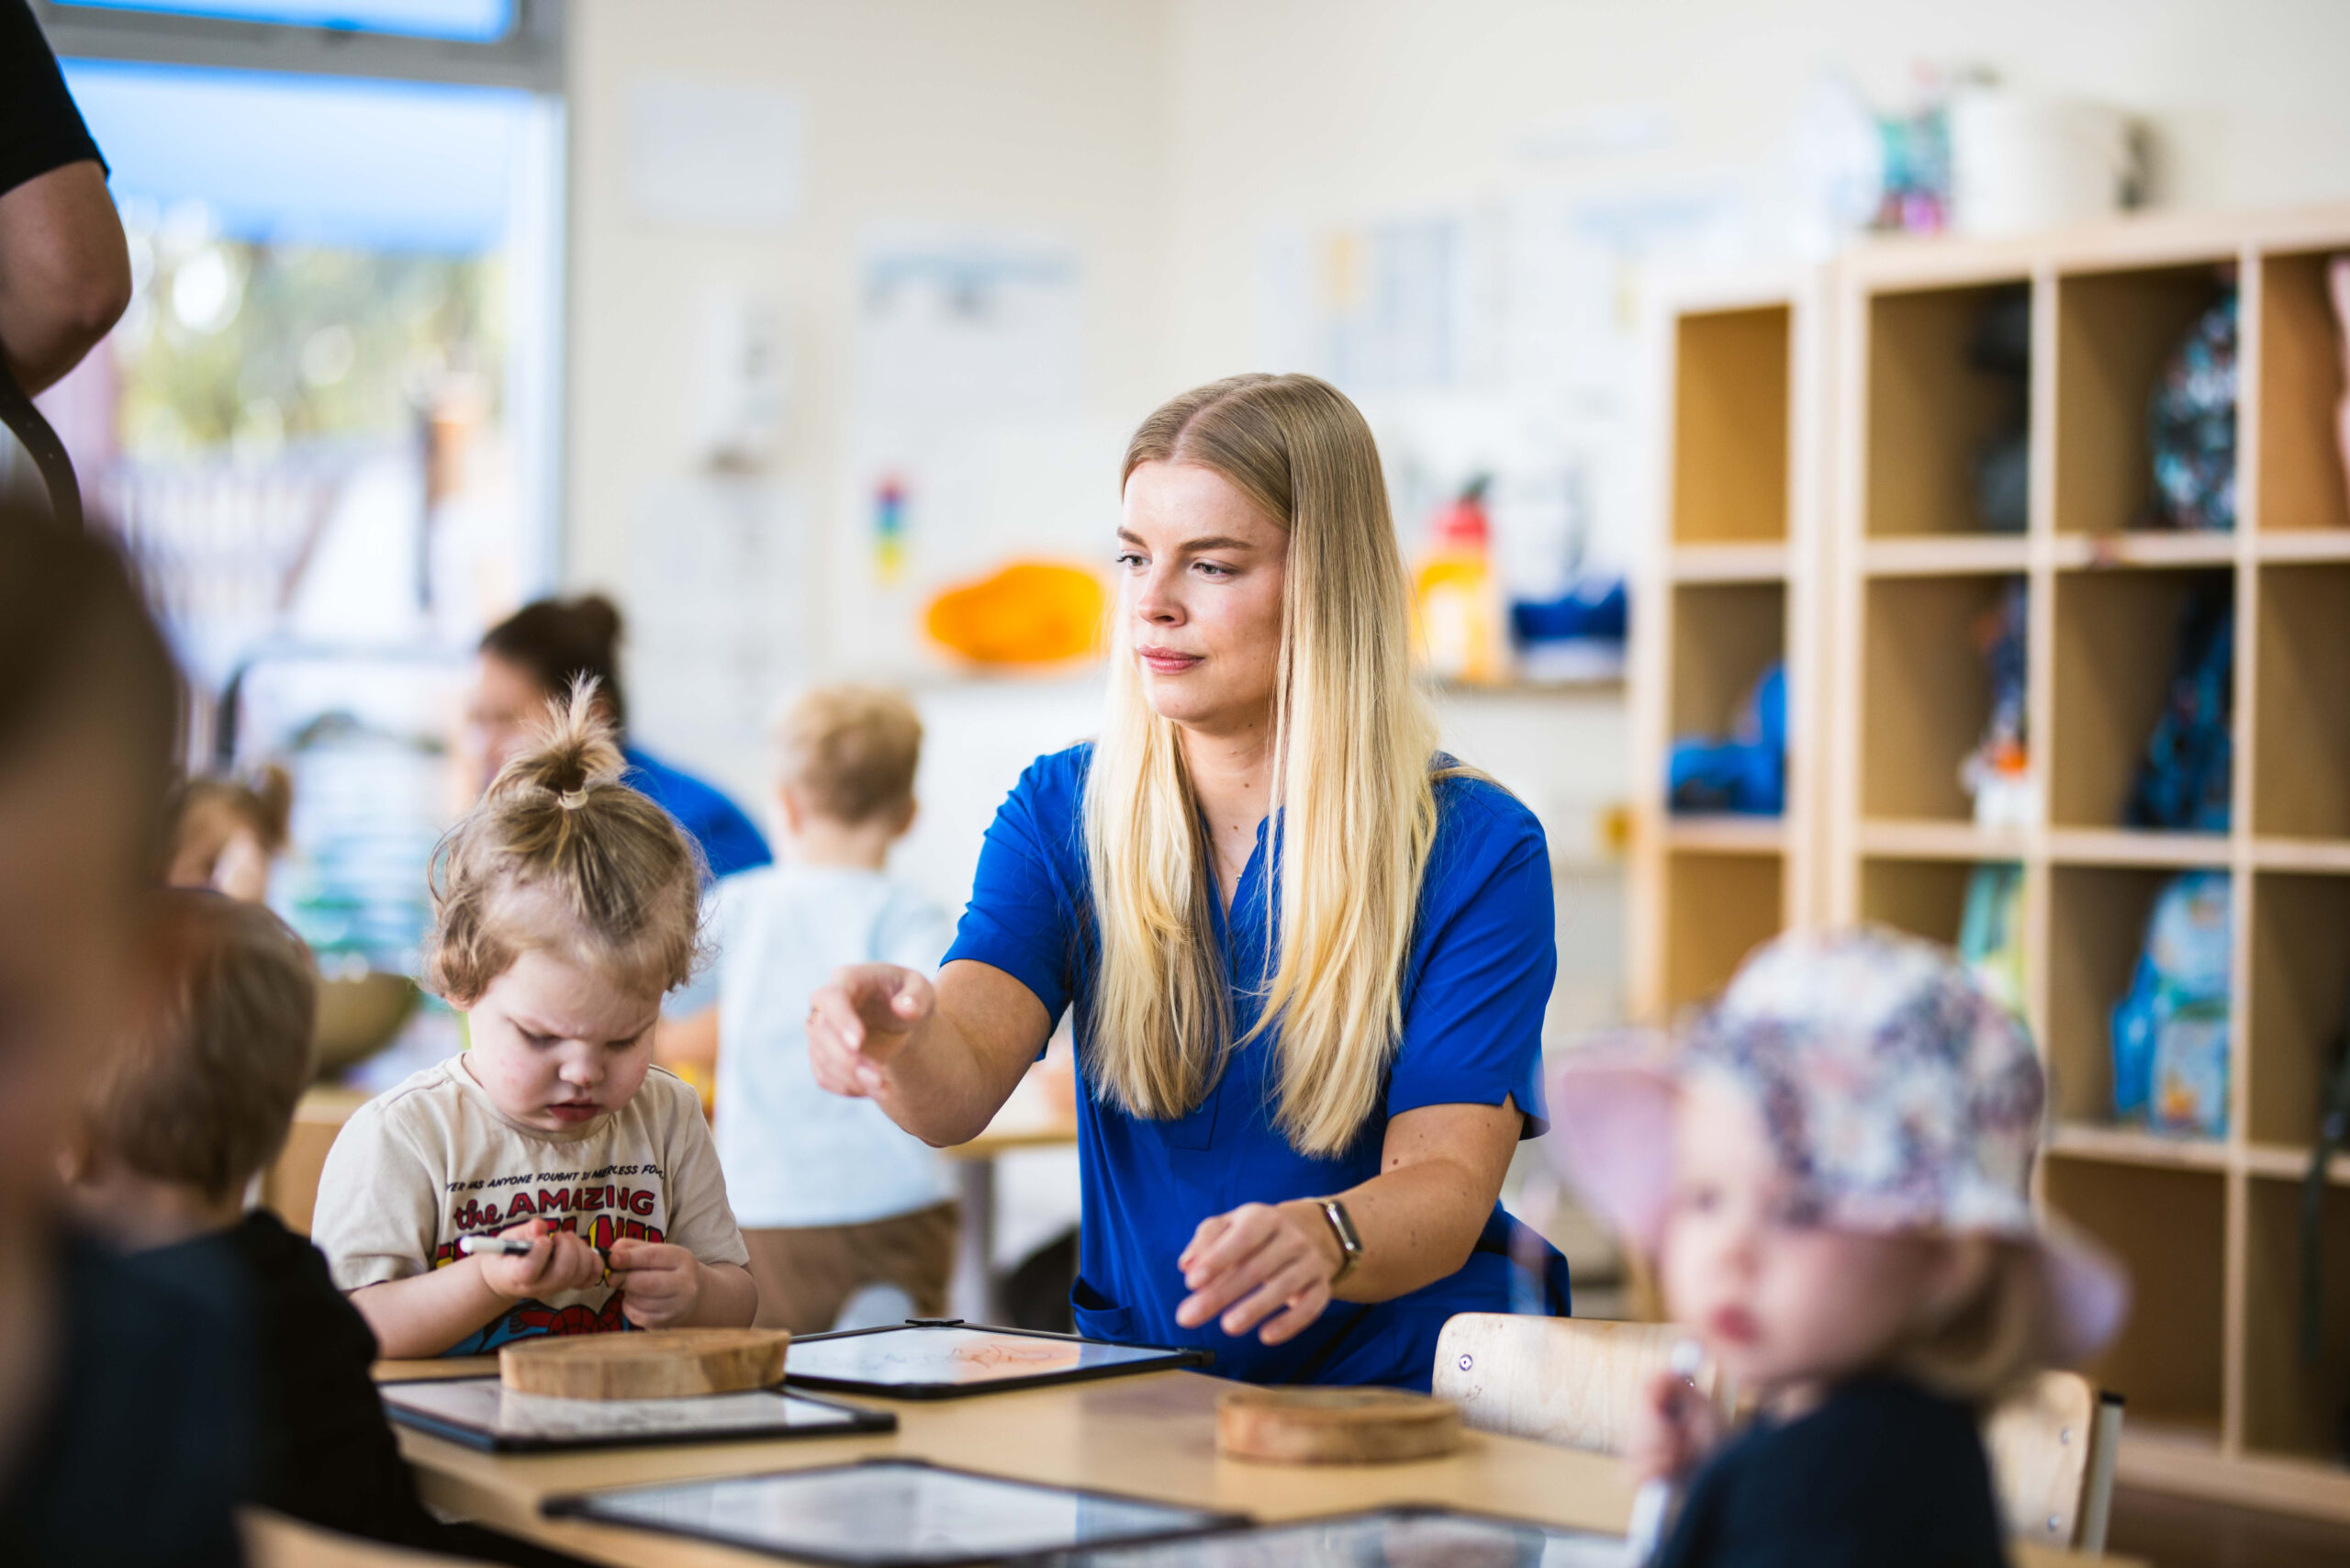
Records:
x=1334, y=1425
x=667, y=1363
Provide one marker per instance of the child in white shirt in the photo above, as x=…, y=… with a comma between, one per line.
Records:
x=565, y=906
x=832, y=1195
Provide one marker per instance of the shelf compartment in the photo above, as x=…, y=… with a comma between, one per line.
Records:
x=1925, y=898
x=1927, y=410
x=2289, y=1406
x=2114, y=333
x=2096, y=927
x=2167, y=1228
x=2117, y=650
x=1724, y=635
x=2301, y=707
x=1730, y=402
x=2300, y=995
x=1924, y=697
x=2301, y=482
x=1718, y=908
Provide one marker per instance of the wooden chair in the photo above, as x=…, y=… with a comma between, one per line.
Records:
x=2052, y=1444
x=1569, y=1381
x=1576, y=1381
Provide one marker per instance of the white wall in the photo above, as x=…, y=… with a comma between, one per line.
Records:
x=1284, y=111
x=1040, y=117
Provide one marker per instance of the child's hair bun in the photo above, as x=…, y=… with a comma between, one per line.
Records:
x=575, y=751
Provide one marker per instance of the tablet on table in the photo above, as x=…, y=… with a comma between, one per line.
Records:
x=934, y=1358
x=891, y=1513
x=483, y=1413
x=1384, y=1538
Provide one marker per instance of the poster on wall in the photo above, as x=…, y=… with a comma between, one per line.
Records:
x=970, y=448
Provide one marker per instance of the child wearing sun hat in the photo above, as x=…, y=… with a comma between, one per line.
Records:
x=1833, y=1173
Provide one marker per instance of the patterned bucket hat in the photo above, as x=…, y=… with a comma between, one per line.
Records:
x=1895, y=1090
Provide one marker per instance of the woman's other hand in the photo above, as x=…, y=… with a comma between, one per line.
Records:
x=860, y=1021
x=1260, y=1264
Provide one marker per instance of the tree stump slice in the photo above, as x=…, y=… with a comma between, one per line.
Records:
x=1334, y=1425
x=667, y=1363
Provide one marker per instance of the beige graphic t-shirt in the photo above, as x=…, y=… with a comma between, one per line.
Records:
x=434, y=1159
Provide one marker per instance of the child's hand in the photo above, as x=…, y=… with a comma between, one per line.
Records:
x=659, y=1281
x=558, y=1261
x=1672, y=1427
x=861, y=1020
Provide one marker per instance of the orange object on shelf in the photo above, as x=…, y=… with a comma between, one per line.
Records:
x=1031, y=613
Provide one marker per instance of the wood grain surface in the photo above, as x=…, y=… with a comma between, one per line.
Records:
x=668, y=1363
x=1334, y=1425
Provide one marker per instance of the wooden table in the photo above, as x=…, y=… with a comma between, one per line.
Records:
x=1151, y=1435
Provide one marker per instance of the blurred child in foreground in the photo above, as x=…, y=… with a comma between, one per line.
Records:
x=1834, y=1172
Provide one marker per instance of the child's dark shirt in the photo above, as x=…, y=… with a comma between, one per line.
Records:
x=1882, y=1472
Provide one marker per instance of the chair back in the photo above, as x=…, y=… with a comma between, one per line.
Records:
x=1569, y=1381
x=2052, y=1445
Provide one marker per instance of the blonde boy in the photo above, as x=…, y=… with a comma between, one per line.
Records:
x=831, y=1194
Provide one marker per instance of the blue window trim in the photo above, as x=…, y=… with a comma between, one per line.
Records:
x=529, y=56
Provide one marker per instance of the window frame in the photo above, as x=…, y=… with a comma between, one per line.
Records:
x=531, y=55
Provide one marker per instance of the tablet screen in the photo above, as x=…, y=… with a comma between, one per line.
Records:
x=957, y=1357
x=483, y=1409
x=1402, y=1539
x=889, y=1512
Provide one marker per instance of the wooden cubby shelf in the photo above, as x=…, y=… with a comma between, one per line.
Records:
x=1887, y=380
x=1723, y=595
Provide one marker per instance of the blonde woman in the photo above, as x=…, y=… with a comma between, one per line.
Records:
x=1308, y=957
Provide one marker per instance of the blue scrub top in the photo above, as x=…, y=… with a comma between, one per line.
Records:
x=728, y=840
x=1483, y=954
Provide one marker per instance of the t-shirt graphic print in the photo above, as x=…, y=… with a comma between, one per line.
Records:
x=433, y=1161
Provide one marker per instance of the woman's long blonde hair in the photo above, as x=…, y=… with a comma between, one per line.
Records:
x=1354, y=809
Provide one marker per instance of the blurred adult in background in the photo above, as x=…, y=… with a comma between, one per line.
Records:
x=532, y=657
x=64, y=268
x=125, y=1434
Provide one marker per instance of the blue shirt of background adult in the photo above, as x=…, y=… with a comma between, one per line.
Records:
x=728, y=841
x=1478, y=976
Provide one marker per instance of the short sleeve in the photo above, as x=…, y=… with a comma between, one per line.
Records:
x=1472, y=1028
x=1022, y=917
x=701, y=1219
x=378, y=1213
x=40, y=127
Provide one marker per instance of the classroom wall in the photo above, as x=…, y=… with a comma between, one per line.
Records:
x=1289, y=111
x=1039, y=117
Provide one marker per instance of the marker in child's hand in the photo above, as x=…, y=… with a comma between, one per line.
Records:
x=496, y=1245
x=1653, y=1501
